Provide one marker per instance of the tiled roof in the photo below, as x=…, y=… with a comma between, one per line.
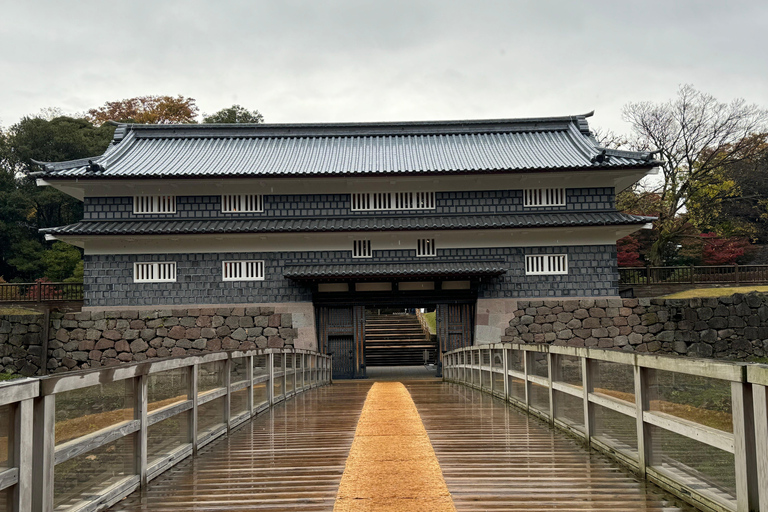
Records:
x=389, y=270
x=172, y=227
x=151, y=151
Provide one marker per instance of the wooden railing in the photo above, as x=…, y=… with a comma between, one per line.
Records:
x=84, y=440
x=698, y=428
x=40, y=292
x=693, y=274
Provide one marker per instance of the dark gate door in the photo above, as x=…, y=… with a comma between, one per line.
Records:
x=340, y=332
x=455, y=326
x=343, y=350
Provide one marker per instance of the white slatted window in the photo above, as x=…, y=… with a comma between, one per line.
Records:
x=378, y=201
x=361, y=249
x=546, y=264
x=243, y=270
x=242, y=203
x=544, y=197
x=154, y=204
x=426, y=247
x=154, y=272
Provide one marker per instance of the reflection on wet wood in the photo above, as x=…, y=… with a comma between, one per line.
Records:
x=290, y=458
x=496, y=458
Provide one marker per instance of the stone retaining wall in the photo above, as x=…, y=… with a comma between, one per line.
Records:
x=92, y=339
x=20, y=344
x=733, y=327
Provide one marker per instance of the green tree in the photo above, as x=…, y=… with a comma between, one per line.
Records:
x=25, y=207
x=696, y=137
x=235, y=114
x=60, y=261
x=146, y=110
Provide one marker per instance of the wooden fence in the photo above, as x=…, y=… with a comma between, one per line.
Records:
x=693, y=274
x=40, y=292
x=698, y=428
x=84, y=440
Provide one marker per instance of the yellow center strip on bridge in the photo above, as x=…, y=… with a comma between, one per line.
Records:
x=391, y=466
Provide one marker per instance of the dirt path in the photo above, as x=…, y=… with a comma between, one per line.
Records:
x=392, y=466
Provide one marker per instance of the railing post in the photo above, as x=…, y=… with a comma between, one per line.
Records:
x=526, y=367
x=736, y=272
x=142, y=398
x=648, y=274
x=744, y=447
x=506, y=354
x=760, y=404
x=249, y=376
x=693, y=273
x=551, y=373
x=193, y=415
x=228, y=386
x=271, y=373
x=642, y=404
x=589, y=411
x=43, y=447
x=22, y=455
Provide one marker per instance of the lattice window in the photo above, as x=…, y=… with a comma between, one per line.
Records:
x=377, y=201
x=242, y=203
x=426, y=247
x=244, y=270
x=546, y=264
x=154, y=272
x=544, y=197
x=361, y=249
x=154, y=204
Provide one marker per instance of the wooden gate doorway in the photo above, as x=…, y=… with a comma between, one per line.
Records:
x=341, y=331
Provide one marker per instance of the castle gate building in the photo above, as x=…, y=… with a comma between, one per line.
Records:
x=339, y=222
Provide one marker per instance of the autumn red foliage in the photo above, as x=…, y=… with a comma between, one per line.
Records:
x=722, y=251
x=628, y=252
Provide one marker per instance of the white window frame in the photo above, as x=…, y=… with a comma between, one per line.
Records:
x=362, y=249
x=425, y=247
x=546, y=264
x=153, y=205
x=381, y=201
x=242, y=270
x=538, y=197
x=154, y=272
x=242, y=203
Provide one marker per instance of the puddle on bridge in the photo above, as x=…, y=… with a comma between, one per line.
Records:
x=493, y=457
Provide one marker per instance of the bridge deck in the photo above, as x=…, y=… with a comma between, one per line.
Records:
x=292, y=458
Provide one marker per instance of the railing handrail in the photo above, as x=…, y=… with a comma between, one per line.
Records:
x=41, y=292
x=748, y=442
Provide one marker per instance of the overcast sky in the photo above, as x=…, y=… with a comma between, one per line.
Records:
x=355, y=60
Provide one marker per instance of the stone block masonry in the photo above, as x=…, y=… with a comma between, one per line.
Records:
x=733, y=327
x=93, y=339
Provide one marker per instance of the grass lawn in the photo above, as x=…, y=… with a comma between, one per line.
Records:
x=18, y=311
x=431, y=321
x=715, y=292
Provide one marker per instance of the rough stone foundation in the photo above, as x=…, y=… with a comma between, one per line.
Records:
x=92, y=339
x=733, y=327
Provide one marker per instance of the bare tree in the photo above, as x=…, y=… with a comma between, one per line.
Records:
x=696, y=137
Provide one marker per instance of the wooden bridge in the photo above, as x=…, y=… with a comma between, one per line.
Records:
x=265, y=430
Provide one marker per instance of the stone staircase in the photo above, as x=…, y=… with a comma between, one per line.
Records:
x=396, y=340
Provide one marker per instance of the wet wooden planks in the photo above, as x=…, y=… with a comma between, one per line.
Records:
x=290, y=458
x=494, y=457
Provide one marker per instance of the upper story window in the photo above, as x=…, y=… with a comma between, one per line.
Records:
x=154, y=204
x=426, y=247
x=377, y=201
x=546, y=264
x=242, y=203
x=243, y=270
x=154, y=272
x=544, y=197
x=361, y=249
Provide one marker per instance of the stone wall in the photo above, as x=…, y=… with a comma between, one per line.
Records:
x=92, y=339
x=733, y=327
x=21, y=344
